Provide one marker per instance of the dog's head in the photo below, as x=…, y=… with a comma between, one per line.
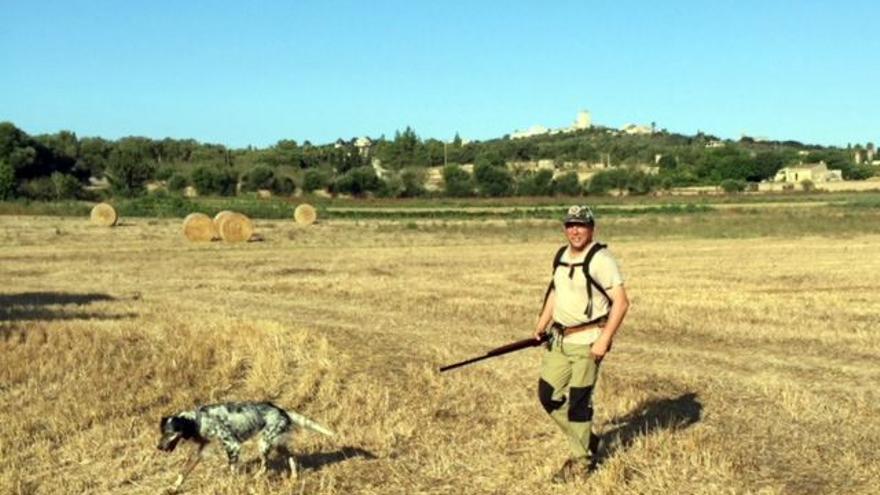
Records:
x=175, y=428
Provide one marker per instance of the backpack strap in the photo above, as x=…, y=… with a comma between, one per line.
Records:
x=556, y=262
x=591, y=282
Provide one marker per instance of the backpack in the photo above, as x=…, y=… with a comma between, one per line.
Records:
x=585, y=265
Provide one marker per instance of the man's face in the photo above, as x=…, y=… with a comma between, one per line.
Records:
x=579, y=235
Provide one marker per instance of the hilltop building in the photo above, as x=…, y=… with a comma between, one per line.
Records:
x=582, y=121
x=637, y=129
x=814, y=172
x=867, y=156
x=535, y=130
x=363, y=145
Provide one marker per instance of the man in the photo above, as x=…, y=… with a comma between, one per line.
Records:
x=585, y=312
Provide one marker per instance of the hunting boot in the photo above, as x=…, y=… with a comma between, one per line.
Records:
x=573, y=470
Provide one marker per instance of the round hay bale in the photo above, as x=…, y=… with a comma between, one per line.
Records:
x=305, y=214
x=198, y=227
x=235, y=227
x=220, y=216
x=104, y=215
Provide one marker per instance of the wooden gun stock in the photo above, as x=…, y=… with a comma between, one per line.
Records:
x=498, y=351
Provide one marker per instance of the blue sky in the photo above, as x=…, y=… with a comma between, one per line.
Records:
x=241, y=73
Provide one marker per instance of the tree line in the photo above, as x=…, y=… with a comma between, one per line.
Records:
x=61, y=165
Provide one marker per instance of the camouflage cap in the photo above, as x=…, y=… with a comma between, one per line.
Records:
x=581, y=214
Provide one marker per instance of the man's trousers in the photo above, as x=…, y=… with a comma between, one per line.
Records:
x=565, y=389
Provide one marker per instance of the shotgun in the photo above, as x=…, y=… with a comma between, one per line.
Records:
x=498, y=351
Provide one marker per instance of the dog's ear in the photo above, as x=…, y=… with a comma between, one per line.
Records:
x=185, y=426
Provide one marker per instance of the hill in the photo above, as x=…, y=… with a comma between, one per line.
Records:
x=593, y=160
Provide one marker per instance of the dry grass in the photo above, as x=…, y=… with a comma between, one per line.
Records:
x=746, y=365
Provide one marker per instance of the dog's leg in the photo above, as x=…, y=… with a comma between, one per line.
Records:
x=232, y=447
x=191, y=464
x=292, y=463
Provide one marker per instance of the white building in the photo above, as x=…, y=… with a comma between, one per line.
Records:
x=636, y=129
x=583, y=121
x=535, y=130
x=814, y=172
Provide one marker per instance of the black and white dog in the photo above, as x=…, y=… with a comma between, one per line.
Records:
x=231, y=424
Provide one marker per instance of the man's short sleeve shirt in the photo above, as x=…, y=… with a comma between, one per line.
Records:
x=571, y=287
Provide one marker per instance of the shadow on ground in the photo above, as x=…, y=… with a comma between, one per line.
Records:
x=317, y=460
x=29, y=306
x=668, y=414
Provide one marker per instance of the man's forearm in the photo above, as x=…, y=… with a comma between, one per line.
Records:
x=546, y=313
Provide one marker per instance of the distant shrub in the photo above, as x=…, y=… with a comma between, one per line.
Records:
x=66, y=186
x=317, y=178
x=259, y=177
x=392, y=187
x=128, y=170
x=358, y=182
x=7, y=180
x=536, y=183
x=209, y=179
x=177, y=182
x=493, y=180
x=603, y=181
x=55, y=187
x=164, y=173
x=283, y=185
x=159, y=204
x=457, y=182
x=632, y=181
x=733, y=185
x=567, y=184
x=41, y=189
x=808, y=185
x=413, y=182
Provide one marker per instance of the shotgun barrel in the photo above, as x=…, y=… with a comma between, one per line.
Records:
x=498, y=351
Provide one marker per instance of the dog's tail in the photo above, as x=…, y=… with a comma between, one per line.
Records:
x=304, y=422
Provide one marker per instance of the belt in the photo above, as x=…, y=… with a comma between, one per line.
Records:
x=566, y=331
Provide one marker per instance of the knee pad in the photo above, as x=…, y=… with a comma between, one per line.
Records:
x=580, y=407
x=545, y=395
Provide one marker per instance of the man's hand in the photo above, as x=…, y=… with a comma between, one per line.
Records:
x=600, y=347
x=539, y=332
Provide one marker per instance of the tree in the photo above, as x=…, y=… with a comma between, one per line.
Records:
x=492, y=180
x=667, y=163
x=533, y=183
x=128, y=168
x=210, y=179
x=177, y=182
x=358, y=182
x=639, y=182
x=457, y=182
x=283, y=185
x=259, y=177
x=285, y=152
x=11, y=138
x=808, y=185
x=567, y=184
x=413, y=182
x=94, y=154
x=66, y=186
x=605, y=180
x=733, y=185
x=7, y=180
x=317, y=178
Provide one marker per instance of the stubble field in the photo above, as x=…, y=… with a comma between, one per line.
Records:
x=748, y=363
